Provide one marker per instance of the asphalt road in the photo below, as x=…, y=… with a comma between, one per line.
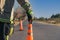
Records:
x=40, y=32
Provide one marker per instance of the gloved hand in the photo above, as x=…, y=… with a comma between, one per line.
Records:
x=30, y=15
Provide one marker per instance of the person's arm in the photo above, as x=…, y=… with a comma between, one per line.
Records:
x=26, y=5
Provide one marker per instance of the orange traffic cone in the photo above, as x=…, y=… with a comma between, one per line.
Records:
x=30, y=32
x=21, y=26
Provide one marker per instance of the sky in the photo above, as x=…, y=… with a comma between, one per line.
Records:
x=44, y=8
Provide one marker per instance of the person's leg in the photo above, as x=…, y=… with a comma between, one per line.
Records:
x=6, y=17
x=8, y=11
x=8, y=30
x=2, y=31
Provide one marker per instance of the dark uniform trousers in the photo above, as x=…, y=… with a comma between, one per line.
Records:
x=5, y=19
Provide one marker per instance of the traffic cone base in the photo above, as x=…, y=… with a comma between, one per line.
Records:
x=29, y=37
x=21, y=29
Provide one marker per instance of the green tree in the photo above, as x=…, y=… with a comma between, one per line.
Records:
x=56, y=16
x=42, y=18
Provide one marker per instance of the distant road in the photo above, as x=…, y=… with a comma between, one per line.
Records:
x=40, y=31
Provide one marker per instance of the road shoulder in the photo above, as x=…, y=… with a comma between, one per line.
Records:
x=47, y=23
